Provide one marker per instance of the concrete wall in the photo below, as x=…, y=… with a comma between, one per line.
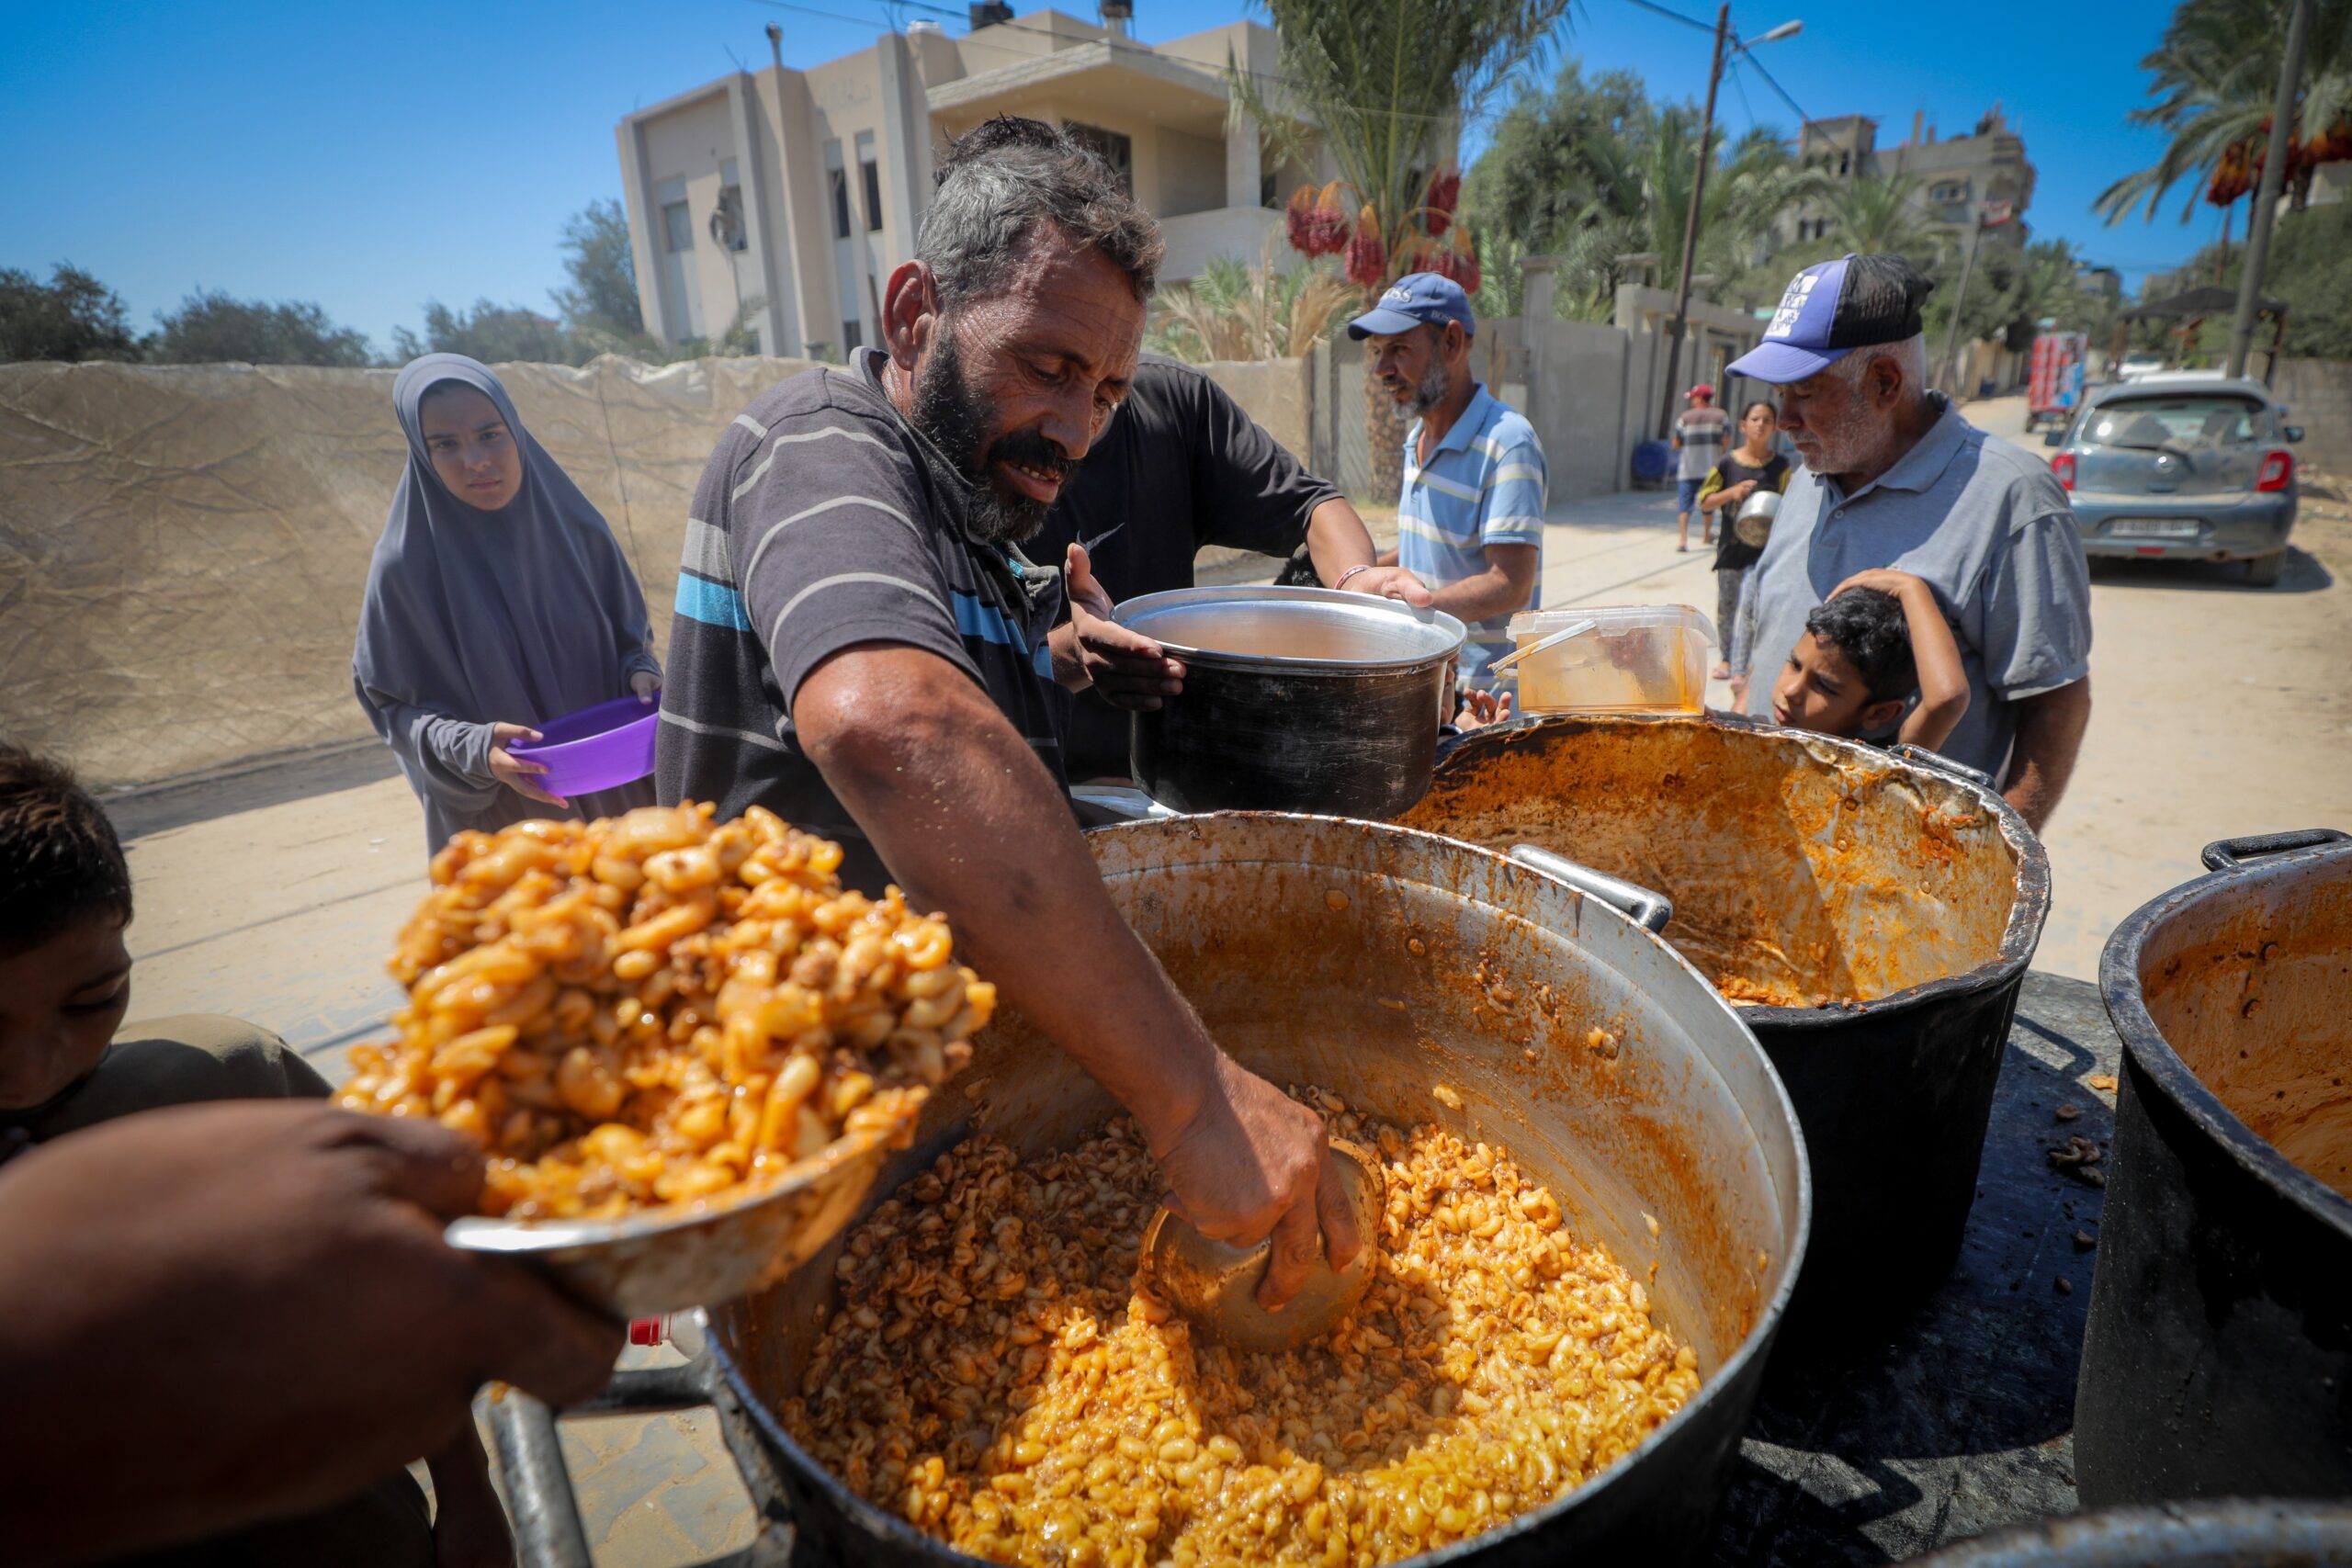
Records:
x=2318, y=395
x=1277, y=393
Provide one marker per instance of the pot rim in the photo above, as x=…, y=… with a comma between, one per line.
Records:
x=1359, y=604
x=2028, y=910
x=2144, y=1043
x=1745, y=1362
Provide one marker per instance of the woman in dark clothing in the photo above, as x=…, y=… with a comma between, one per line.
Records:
x=497, y=600
x=1738, y=474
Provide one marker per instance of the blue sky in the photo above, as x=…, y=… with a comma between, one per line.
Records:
x=370, y=158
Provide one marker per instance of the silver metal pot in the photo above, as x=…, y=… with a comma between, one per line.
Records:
x=1290, y=935
x=1294, y=699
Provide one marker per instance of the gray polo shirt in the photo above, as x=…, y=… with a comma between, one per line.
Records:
x=1985, y=524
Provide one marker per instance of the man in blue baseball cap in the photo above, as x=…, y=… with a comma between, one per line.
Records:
x=1470, y=516
x=1895, y=479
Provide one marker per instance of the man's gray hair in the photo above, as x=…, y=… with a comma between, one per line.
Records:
x=1000, y=183
x=1910, y=355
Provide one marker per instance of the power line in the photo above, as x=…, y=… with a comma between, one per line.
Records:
x=1804, y=118
x=1676, y=16
x=1740, y=51
x=1741, y=89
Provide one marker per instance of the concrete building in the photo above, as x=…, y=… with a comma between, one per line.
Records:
x=786, y=197
x=1958, y=176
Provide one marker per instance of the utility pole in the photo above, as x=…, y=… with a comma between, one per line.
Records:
x=1950, y=363
x=1690, y=225
x=1992, y=214
x=2274, y=178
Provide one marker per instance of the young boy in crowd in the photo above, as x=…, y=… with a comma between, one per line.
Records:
x=67, y=1062
x=1879, y=637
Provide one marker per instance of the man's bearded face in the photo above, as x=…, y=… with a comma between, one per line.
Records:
x=955, y=419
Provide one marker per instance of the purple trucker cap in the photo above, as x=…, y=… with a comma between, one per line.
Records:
x=1834, y=309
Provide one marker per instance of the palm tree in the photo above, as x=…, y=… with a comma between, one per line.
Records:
x=1594, y=173
x=1237, y=310
x=1387, y=85
x=1882, y=217
x=2216, y=77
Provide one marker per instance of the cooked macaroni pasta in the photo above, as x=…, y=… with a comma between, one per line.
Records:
x=652, y=1009
x=992, y=1374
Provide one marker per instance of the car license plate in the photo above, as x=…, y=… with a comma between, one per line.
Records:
x=2153, y=528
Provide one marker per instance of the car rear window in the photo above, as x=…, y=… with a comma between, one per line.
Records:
x=2195, y=419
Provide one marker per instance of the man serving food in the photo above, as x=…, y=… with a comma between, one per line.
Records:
x=861, y=647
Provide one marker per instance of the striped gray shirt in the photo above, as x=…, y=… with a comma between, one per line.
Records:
x=821, y=521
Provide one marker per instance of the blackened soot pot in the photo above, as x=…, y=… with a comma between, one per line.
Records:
x=2217, y=1360
x=1294, y=699
x=1359, y=957
x=1872, y=913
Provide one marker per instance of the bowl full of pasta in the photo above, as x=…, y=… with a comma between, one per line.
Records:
x=683, y=1047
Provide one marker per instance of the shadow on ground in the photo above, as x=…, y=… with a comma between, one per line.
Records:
x=1961, y=1421
x=253, y=786
x=2303, y=573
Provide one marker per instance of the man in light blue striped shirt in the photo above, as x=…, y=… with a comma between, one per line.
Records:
x=1470, y=518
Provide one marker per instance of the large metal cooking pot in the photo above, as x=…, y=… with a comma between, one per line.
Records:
x=1294, y=699
x=2218, y=1356
x=1290, y=935
x=1801, y=866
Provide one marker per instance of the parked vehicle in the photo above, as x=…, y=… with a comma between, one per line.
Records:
x=2183, y=465
x=2135, y=366
x=2053, y=388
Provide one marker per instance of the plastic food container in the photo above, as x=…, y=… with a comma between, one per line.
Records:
x=604, y=746
x=1636, y=659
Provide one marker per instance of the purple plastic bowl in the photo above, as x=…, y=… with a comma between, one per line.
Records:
x=604, y=746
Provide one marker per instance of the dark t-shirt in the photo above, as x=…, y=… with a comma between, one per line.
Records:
x=823, y=520
x=1731, y=552
x=1180, y=468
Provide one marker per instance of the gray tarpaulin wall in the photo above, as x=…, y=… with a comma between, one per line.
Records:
x=183, y=547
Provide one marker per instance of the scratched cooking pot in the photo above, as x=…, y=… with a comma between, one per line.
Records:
x=1294, y=699
x=1346, y=953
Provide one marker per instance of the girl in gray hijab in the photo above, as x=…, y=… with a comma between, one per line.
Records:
x=497, y=600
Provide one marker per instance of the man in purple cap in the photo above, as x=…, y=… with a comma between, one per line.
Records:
x=1894, y=478
x=1470, y=518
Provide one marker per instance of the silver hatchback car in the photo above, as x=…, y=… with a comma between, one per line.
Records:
x=2184, y=466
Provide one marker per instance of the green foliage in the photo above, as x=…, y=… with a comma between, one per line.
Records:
x=602, y=269
x=2307, y=272
x=1236, y=310
x=492, y=333
x=2215, y=82
x=211, y=328
x=1595, y=173
x=1383, y=83
x=71, y=317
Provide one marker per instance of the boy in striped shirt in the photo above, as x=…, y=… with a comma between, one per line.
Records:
x=1699, y=437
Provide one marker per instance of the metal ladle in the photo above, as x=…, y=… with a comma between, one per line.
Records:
x=1215, y=1285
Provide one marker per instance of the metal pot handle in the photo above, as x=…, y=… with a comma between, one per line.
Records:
x=2224, y=854
x=547, y=1532
x=1936, y=761
x=1647, y=909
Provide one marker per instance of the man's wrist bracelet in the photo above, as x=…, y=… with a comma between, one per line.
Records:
x=1348, y=573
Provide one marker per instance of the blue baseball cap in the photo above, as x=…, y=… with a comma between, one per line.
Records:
x=1416, y=300
x=1834, y=309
